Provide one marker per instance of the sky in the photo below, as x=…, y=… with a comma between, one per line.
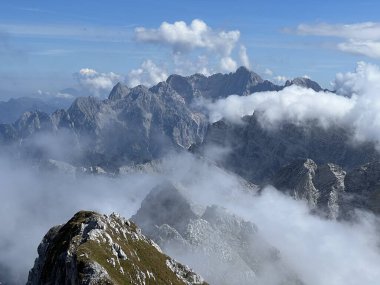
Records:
x=47, y=46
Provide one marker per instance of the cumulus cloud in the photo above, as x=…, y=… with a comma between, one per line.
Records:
x=228, y=64
x=197, y=37
x=361, y=38
x=96, y=83
x=147, y=74
x=356, y=104
x=181, y=37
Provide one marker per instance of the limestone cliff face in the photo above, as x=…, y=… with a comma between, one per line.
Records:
x=330, y=190
x=321, y=186
x=98, y=249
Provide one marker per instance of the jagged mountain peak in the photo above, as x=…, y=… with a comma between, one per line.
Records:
x=304, y=82
x=119, y=91
x=244, y=72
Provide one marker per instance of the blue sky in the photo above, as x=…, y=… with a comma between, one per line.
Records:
x=43, y=43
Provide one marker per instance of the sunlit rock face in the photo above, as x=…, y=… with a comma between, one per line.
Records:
x=305, y=83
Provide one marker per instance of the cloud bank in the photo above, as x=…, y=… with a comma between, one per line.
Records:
x=360, y=38
x=356, y=104
x=317, y=250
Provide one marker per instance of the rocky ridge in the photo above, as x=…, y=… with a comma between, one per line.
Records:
x=98, y=249
x=133, y=125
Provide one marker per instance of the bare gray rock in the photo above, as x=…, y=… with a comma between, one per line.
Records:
x=305, y=83
x=99, y=249
x=223, y=247
x=321, y=186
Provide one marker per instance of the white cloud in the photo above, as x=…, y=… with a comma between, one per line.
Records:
x=360, y=108
x=227, y=64
x=367, y=48
x=294, y=104
x=96, y=83
x=361, y=38
x=243, y=56
x=183, y=38
x=365, y=79
x=197, y=39
x=147, y=74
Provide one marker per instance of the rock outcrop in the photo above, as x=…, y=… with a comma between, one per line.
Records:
x=305, y=83
x=98, y=249
x=329, y=190
x=321, y=186
x=363, y=187
x=221, y=246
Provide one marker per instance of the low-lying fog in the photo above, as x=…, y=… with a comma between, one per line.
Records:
x=319, y=251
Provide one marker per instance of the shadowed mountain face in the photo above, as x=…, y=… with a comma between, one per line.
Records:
x=242, y=82
x=134, y=125
x=257, y=153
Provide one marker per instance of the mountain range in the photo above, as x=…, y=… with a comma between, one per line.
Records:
x=134, y=128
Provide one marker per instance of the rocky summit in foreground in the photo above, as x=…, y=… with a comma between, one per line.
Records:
x=98, y=249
